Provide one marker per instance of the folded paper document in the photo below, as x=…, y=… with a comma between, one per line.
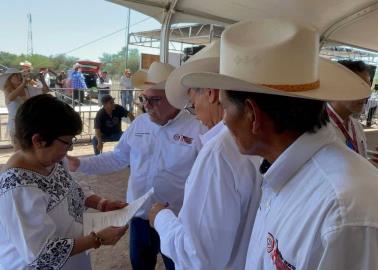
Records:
x=100, y=220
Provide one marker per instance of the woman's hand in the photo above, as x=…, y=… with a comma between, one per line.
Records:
x=114, y=205
x=111, y=235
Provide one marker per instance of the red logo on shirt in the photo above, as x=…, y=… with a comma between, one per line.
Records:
x=278, y=261
x=183, y=138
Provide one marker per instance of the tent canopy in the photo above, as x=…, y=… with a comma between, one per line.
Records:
x=346, y=21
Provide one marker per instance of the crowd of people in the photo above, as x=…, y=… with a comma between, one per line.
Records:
x=253, y=151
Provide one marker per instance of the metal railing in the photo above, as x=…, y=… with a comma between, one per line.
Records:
x=87, y=108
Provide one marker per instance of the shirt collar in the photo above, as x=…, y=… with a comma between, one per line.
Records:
x=295, y=156
x=211, y=133
x=345, y=123
x=174, y=119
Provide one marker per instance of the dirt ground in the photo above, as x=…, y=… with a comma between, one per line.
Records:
x=111, y=186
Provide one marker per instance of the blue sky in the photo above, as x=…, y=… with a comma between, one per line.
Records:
x=60, y=26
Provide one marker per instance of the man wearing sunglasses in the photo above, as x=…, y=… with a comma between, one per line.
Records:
x=160, y=146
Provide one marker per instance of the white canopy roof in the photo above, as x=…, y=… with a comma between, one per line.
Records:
x=351, y=22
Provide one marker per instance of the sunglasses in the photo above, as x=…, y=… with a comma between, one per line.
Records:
x=150, y=100
x=190, y=108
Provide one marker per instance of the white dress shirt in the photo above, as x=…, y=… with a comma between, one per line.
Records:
x=353, y=123
x=222, y=192
x=318, y=209
x=159, y=157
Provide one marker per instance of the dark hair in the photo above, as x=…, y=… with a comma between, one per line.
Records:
x=287, y=113
x=355, y=66
x=47, y=116
x=106, y=99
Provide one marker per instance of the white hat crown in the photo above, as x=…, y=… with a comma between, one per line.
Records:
x=278, y=57
x=158, y=72
x=263, y=53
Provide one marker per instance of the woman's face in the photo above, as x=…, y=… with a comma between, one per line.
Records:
x=49, y=155
x=15, y=79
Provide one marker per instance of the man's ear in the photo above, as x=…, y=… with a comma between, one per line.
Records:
x=254, y=115
x=37, y=141
x=213, y=95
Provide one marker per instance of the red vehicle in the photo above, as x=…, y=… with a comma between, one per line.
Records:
x=91, y=71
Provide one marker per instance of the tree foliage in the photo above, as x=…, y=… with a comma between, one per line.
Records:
x=115, y=64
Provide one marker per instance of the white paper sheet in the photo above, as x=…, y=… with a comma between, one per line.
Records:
x=99, y=220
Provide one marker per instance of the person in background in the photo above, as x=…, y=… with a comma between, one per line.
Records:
x=224, y=184
x=342, y=113
x=78, y=83
x=60, y=79
x=371, y=107
x=127, y=93
x=108, y=122
x=26, y=66
x=160, y=147
x=41, y=206
x=104, y=84
x=17, y=88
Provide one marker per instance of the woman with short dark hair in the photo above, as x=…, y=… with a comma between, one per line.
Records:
x=41, y=206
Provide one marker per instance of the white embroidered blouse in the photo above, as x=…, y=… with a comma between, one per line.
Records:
x=40, y=217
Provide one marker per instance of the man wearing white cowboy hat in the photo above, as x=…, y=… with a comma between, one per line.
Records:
x=318, y=205
x=221, y=181
x=160, y=146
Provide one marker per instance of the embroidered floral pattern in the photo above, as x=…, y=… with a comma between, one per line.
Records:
x=54, y=255
x=58, y=185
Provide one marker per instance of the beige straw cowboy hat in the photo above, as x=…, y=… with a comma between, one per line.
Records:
x=274, y=56
x=206, y=60
x=154, y=78
x=26, y=64
x=4, y=76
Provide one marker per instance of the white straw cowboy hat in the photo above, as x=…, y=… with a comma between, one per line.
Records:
x=76, y=65
x=26, y=64
x=278, y=57
x=206, y=60
x=4, y=76
x=154, y=78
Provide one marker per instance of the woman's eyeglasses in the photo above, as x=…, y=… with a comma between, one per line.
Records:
x=69, y=144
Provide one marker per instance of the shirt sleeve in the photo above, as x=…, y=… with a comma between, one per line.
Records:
x=201, y=237
x=350, y=247
x=97, y=120
x=31, y=231
x=108, y=162
x=123, y=111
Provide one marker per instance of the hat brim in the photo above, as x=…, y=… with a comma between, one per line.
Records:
x=148, y=86
x=176, y=93
x=337, y=83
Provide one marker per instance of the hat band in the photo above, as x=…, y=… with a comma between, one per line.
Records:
x=151, y=83
x=295, y=87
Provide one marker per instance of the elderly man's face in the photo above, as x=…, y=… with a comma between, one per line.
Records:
x=157, y=106
x=198, y=99
x=239, y=125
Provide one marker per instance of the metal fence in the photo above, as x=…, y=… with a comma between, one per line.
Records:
x=87, y=110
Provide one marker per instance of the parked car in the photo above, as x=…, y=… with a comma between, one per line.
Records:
x=90, y=70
